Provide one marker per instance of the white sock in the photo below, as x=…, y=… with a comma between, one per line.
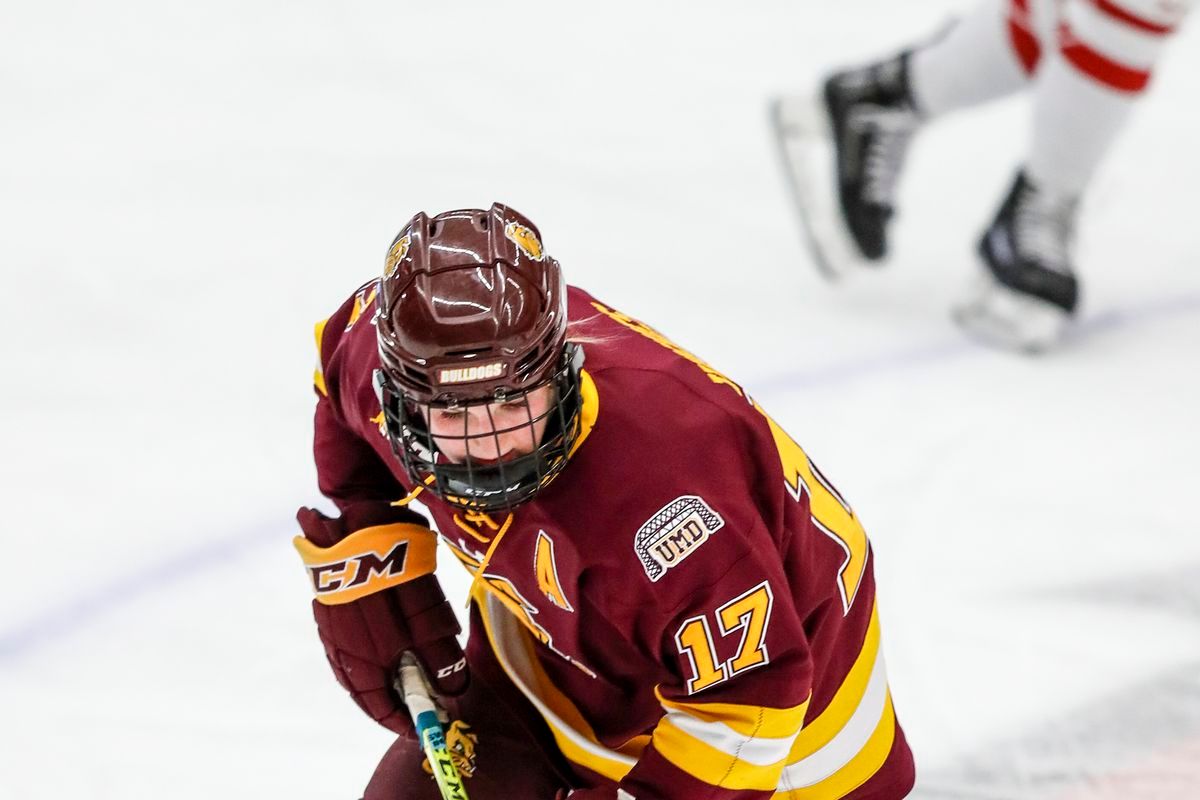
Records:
x=986, y=54
x=1089, y=82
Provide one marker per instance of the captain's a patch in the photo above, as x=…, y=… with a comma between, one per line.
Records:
x=674, y=533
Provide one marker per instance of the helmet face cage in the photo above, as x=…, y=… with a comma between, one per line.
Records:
x=473, y=484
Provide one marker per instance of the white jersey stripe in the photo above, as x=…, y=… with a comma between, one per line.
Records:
x=758, y=750
x=849, y=741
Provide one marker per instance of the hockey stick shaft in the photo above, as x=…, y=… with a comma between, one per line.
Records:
x=430, y=733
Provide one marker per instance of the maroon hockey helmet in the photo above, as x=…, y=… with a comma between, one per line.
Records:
x=472, y=311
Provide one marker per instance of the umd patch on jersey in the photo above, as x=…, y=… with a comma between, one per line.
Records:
x=674, y=533
x=525, y=240
x=482, y=372
x=396, y=255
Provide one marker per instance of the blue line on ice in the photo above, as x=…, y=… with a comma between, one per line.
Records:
x=960, y=346
x=78, y=611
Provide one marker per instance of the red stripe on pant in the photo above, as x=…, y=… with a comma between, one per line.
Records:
x=1100, y=67
x=1020, y=31
x=1111, y=9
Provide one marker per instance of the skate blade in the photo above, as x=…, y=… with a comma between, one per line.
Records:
x=998, y=316
x=808, y=159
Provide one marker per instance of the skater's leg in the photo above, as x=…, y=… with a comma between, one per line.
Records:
x=1087, y=87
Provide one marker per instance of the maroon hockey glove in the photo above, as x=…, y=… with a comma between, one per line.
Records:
x=377, y=597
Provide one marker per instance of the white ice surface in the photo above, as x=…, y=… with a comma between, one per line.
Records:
x=186, y=188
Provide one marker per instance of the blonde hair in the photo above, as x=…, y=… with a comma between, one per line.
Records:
x=577, y=332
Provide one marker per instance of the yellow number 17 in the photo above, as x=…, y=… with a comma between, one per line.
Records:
x=750, y=613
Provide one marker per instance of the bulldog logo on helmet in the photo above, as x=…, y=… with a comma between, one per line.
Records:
x=396, y=255
x=525, y=240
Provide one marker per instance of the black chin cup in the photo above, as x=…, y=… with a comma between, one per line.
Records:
x=472, y=484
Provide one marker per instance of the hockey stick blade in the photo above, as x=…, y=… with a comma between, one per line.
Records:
x=411, y=684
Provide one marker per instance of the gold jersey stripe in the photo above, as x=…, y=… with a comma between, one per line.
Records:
x=539, y=682
x=362, y=301
x=589, y=409
x=747, y=720
x=820, y=731
x=713, y=765
x=656, y=337
x=318, y=373
x=858, y=770
x=762, y=751
x=828, y=510
x=368, y=561
x=513, y=648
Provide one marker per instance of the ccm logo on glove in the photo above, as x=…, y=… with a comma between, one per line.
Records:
x=457, y=666
x=368, y=561
x=377, y=599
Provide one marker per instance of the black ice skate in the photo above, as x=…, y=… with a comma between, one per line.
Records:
x=842, y=154
x=1027, y=293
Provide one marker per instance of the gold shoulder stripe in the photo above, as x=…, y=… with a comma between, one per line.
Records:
x=318, y=373
x=589, y=401
x=830, y=512
x=859, y=769
x=362, y=301
x=746, y=720
x=513, y=646
x=656, y=337
x=820, y=731
x=715, y=766
x=368, y=561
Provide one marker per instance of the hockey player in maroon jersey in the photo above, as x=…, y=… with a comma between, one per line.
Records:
x=669, y=599
x=1086, y=63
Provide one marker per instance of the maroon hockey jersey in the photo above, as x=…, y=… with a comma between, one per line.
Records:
x=690, y=605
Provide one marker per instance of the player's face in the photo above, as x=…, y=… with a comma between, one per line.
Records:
x=492, y=432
